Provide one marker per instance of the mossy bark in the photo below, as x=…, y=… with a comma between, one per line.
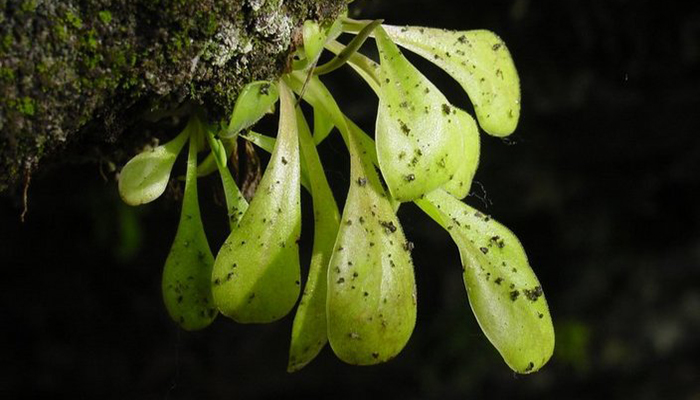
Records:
x=77, y=69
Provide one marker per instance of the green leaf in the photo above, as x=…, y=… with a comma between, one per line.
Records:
x=480, y=62
x=343, y=56
x=186, y=280
x=371, y=287
x=417, y=143
x=323, y=124
x=217, y=149
x=314, y=39
x=145, y=177
x=364, y=66
x=309, y=332
x=461, y=181
x=208, y=165
x=267, y=143
x=236, y=204
x=504, y=293
x=256, y=276
x=255, y=100
x=320, y=97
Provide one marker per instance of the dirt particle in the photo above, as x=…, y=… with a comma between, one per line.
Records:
x=534, y=293
x=404, y=128
x=514, y=295
x=498, y=242
x=410, y=177
x=389, y=226
x=530, y=366
x=446, y=109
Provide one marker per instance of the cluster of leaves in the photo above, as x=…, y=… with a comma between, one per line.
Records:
x=360, y=294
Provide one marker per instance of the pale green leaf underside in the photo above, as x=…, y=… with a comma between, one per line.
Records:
x=371, y=304
x=309, y=331
x=503, y=291
x=255, y=100
x=418, y=147
x=480, y=62
x=145, y=177
x=186, y=281
x=256, y=276
x=461, y=181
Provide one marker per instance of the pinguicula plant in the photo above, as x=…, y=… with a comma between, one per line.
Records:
x=360, y=293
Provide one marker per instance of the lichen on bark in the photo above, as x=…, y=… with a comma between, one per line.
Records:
x=72, y=69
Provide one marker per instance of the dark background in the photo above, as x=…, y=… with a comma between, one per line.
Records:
x=599, y=182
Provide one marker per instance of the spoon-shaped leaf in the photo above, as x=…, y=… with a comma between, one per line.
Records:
x=309, y=332
x=256, y=273
x=255, y=100
x=236, y=204
x=480, y=62
x=417, y=147
x=145, y=177
x=461, y=181
x=186, y=280
x=371, y=302
x=503, y=291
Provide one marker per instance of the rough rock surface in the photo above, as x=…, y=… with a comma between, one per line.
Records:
x=76, y=70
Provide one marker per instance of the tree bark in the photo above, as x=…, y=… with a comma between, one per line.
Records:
x=77, y=70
